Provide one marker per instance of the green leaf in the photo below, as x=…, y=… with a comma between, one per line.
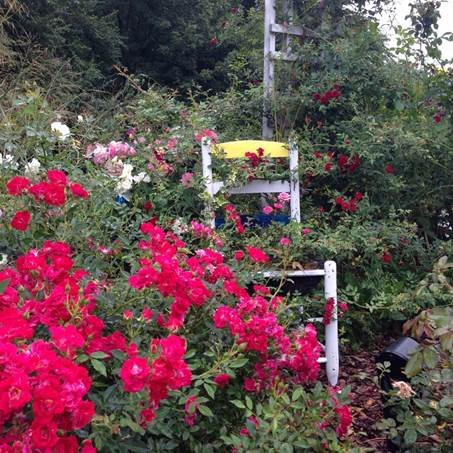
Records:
x=205, y=411
x=238, y=363
x=297, y=393
x=430, y=357
x=210, y=390
x=238, y=403
x=410, y=436
x=82, y=358
x=249, y=402
x=414, y=365
x=99, y=367
x=132, y=425
x=446, y=401
x=99, y=355
x=3, y=285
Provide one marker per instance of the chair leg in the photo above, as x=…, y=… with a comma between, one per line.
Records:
x=207, y=175
x=332, y=353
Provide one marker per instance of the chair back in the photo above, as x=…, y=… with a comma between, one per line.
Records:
x=237, y=150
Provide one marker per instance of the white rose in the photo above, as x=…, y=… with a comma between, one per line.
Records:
x=124, y=184
x=61, y=130
x=127, y=171
x=7, y=161
x=3, y=259
x=32, y=168
x=142, y=176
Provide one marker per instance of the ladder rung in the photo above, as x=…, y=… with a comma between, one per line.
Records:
x=314, y=319
x=306, y=273
x=282, y=56
x=287, y=29
x=259, y=186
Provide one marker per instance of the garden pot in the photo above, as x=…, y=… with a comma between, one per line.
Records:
x=398, y=354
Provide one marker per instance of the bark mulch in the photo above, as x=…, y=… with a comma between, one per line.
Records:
x=358, y=369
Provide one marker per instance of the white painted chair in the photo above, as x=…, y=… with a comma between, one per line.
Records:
x=331, y=357
x=237, y=149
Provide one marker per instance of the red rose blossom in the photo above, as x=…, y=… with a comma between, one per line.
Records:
x=78, y=191
x=17, y=185
x=222, y=379
x=134, y=374
x=257, y=255
x=386, y=257
x=21, y=220
x=57, y=177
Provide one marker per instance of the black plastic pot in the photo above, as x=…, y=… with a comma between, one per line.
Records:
x=398, y=354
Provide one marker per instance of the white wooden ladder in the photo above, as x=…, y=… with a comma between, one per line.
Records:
x=271, y=29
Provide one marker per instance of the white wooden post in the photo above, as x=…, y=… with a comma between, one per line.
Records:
x=207, y=173
x=271, y=54
x=294, y=181
x=268, y=69
x=332, y=354
x=288, y=14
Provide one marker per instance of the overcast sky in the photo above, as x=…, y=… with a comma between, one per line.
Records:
x=445, y=22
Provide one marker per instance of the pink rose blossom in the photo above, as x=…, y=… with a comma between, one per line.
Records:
x=186, y=179
x=128, y=314
x=283, y=197
x=285, y=241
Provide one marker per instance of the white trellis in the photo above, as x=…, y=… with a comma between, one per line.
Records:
x=271, y=29
x=271, y=54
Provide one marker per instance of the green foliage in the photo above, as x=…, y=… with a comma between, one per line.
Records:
x=422, y=411
x=85, y=32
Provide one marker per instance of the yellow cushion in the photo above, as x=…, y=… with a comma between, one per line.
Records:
x=237, y=149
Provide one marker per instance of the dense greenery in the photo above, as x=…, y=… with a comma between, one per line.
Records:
x=374, y=129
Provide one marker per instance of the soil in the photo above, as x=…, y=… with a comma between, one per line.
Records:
x=358, y=369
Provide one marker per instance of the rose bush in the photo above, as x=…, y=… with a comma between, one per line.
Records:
x=55, y=349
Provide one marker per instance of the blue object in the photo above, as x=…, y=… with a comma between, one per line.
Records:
x=120, y=199
x=262, y=220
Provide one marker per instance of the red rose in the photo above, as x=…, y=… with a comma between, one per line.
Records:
x=88, y=447
x=82, y=414
x=43, y=433
x=54, y=194
x=67, y=444
x=57, y=177
x=239, y=255
x=389, y=169
x=78, y=191
x=134, y=374
x=257, y=255
x=386, y=257
x=47, y=403
x=21, y=220
x=437, y=118
x=17, y=185
x=222, y=379
x=147, y=206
